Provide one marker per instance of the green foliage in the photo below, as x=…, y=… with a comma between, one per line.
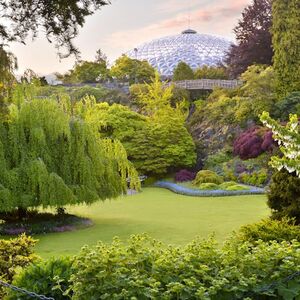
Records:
x=232, y=186
x=208, y=186
x=183, y=72
x=243, y=104
x=269, y=230
x=257, y=178
x=207, y=72
x=217, y=159
x=155, y=142
x=50, y=158
x=132, y=70
x=237, y=187
x=207, y=176
x=288, y=105
x=286, y=44
x=284, y=195
x=49, y=278
x=86, y=72
x=14, y=254
x=144, y=269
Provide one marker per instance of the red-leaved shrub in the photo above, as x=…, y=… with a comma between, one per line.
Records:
x=185, y=175
x=253, y=142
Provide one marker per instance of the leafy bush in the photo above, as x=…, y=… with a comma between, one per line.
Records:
x=184, y=175
x=288, y=105
x=14, y=254
x=257, y=178
x=253, y=142
x=284, y=195
x=208, y=186
x=227, y=184
x=214, y=161
x=207, y=176
x=269, y=230
x=144, y=269
x=237, y=187
x=49, y=278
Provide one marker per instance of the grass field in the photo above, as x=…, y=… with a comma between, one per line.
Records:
x=171, y=218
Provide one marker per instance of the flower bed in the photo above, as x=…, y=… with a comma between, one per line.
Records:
x=178, y=189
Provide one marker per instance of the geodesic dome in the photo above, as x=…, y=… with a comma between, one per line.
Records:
x=193, y=48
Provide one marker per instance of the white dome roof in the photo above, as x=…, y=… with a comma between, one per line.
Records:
x=195, y=49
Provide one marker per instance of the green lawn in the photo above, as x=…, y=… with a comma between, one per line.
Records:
x=169, y=217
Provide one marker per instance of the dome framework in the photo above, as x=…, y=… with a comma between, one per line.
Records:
x=195, y=49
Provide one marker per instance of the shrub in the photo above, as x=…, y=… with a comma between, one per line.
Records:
x=270, y=230
x=257, y=178
x=207, y=176
x=289, y=105
x=184, y=175
x=14, y=254
x=227, y=184
x=144, y=269
x=253, y=142
x=49, y=278
x=208, y=186
x=237, y=187
x=284, y=195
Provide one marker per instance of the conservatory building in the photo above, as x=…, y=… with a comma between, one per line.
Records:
x=193, y=48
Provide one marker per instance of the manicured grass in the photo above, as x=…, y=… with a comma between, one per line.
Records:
x=171, y=218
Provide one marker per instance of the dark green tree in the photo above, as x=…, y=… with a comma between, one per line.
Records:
x=183, y=72
x=58, y=19
x=50, y=158
x=286, y=44
x=284, y=195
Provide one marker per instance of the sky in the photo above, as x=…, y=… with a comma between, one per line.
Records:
x=125, y=24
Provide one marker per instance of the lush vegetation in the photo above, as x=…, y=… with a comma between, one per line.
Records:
x=286, y=43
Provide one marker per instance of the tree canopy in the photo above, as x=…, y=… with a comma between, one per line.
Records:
x=254, y=40
x=132, y=70
x=183, y=72
x=50, y=156
x=58, y=19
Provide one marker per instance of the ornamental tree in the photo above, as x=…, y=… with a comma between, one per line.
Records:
x=288, y=137
x=254, y=40
x=51, y=158
x=155, y=142
x=286, y=44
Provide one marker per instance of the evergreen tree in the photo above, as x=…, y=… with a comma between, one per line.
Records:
x=286, y=44
x=183, y=72
x=51, y=158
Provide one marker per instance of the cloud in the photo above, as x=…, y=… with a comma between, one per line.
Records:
x=216, y=18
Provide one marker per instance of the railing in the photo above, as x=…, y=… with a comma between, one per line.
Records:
x=206, y=84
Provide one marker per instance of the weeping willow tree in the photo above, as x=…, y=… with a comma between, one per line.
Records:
x=51, y=158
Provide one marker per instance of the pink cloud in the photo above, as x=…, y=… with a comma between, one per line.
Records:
x=218, y=19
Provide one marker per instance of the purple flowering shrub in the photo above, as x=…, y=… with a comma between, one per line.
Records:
x=184, y=175
x=253, y=142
